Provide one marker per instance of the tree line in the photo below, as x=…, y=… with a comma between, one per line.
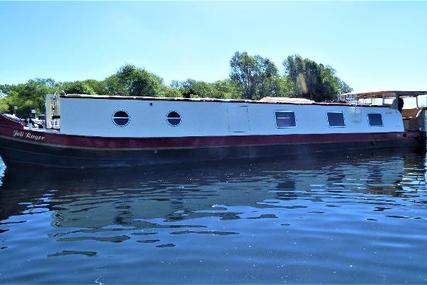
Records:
x=251, y=77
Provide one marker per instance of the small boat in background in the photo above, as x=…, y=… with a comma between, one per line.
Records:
x=92, y=131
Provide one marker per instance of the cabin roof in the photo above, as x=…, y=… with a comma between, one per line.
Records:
x=265, y=100
x=121, y=97
x=286, y=100
x=384, y=93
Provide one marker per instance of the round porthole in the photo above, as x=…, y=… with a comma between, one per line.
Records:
x=174, y=118
x=121, y=118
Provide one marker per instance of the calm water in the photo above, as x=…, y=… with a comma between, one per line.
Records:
x=360, y=220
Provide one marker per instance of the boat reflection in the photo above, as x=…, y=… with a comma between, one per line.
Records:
x=95, y=199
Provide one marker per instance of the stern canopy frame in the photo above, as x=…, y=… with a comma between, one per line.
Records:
x=355, y=97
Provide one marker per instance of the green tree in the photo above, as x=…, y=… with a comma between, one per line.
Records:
x=225, y=89
x=254, y=76
x=343, y=87
x=221, y=89
x=251, y=77
x=135, y=81
x=113, y=86
x=169, y=91
x=312, y=80
x=27, y=96
x=76, y=87
x=191, y=88
x=98, y=87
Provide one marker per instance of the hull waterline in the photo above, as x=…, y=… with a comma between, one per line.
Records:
x=16, y=152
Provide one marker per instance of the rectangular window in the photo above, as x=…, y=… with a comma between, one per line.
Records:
x=375, y=120
x=336, y=119
x=285, y=119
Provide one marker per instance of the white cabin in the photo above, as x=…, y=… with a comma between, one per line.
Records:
x=142, y=117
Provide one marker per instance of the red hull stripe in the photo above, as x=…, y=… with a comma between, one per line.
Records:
x=71, y=141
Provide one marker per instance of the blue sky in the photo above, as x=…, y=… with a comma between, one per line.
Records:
x=372, y=45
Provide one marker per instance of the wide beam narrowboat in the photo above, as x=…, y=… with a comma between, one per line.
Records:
x=88, y=131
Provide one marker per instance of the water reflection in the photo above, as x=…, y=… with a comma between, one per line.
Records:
x=264, y=222
x=122, y=196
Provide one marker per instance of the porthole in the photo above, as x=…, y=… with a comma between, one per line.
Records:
x=121, y=118
x=174, y=118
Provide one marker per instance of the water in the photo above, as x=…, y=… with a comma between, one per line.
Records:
x=360, y=220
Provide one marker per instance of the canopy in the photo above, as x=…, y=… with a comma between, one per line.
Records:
x=382, y=94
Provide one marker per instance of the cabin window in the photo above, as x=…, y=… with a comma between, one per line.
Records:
x=285, y=119
x=336, y=119
x=121, y=118
x=375, y=120
x=174, y=118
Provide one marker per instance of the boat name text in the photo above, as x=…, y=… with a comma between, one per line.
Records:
x=28, y=135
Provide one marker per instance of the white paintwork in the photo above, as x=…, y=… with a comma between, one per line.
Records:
x=93, y=117
x=238, y=118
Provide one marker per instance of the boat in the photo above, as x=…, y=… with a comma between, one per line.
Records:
x=95, y=131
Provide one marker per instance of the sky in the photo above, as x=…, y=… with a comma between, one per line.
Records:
x=371, y=45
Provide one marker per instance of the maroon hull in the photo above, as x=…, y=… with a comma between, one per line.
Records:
x=19, y=146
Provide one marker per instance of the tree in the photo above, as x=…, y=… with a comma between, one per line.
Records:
x=168, y=91
x=135, y=81
x=132, y=81
x=98, y=87
x=312, y=80
x=225, y=89
x=76, y=87
x=191, y=88
x=113, y=87
x=251, y=77
x=344, y=87
x=254, y=76
x=27, y=96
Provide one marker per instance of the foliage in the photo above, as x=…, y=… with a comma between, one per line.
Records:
x=133, y=81
x=130, y=81
x=312, y=80
x=167, y=91
x=251, y=77
x=27, y=96
x=191, y=88
x=76, y=87
x=254, y=76
x=225, y=89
